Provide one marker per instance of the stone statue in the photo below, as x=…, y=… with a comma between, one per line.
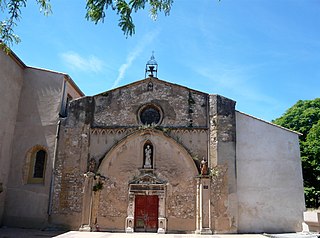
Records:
x=204, y=167
x=147, y=151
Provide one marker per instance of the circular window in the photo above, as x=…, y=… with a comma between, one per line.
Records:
x=149, y=115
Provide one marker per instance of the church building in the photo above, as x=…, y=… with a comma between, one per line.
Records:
x=150, y=156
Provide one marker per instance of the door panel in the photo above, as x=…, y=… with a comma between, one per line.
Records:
x=146, y=213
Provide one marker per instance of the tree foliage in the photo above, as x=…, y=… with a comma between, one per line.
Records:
x=96, y=12
x=12, y=12
x=304, y=117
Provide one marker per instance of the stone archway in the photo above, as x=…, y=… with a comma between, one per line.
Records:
x=171, y=177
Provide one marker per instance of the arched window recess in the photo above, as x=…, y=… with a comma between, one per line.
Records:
x=36, y=161
x=148, y=154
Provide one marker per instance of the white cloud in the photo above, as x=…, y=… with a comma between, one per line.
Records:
x=123, y=68
x=237, y=80
x=78, y=62
x=147, y=39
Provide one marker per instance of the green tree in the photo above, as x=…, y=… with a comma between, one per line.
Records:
x=304, y=117
x=96, y=12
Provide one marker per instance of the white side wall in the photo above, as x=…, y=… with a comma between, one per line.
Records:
x=27, y=204
x=11, y=81
x=269, y=177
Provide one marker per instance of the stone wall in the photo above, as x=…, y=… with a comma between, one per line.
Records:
x=172, y=164
x=115, y=142
x=222, y=159
x=113, y=203
x=70, y=167
x=181, y=107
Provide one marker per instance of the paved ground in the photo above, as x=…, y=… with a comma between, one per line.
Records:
x=76, y=234
x=30, y=233
x=26, y=233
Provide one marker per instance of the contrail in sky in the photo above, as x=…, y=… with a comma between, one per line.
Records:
x=147, y=39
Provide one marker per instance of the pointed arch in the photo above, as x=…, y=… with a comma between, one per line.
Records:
x=128, y=151
x=171, y=178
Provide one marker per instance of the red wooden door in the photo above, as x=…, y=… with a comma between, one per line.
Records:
x=146, y=213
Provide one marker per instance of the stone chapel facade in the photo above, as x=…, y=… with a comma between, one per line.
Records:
x=153, y=156
x=159, y=157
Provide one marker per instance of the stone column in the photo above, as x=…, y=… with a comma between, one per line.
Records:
x=222, y=154
x=130, y=218
x=95, y=211
x=203, y=216
x=87, y=203
x=198, y=208
x=162, y=220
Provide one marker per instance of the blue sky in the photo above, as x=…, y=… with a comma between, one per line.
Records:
x=264, y=54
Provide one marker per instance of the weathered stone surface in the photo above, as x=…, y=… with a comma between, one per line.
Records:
x=71, y=188
x=223, y=158
x=71, y=164
x=113, y=200
x=80, y=111
x=181, y=204
x=181, y=107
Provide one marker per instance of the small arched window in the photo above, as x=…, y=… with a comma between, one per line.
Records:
x=37, y=165
x=40, y=159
